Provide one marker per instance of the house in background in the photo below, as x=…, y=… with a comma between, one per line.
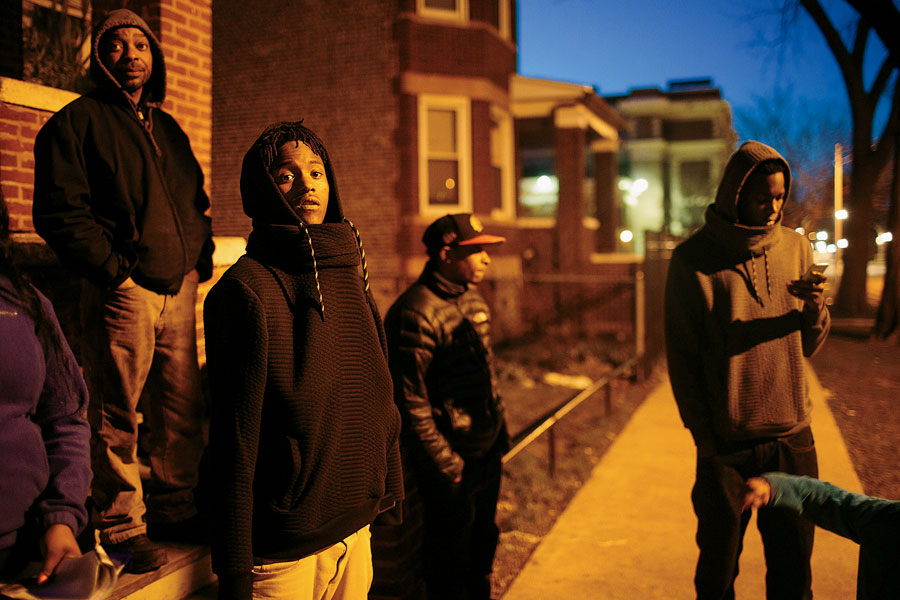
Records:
x=677, y=143
x=410, y=97
x=567, y=140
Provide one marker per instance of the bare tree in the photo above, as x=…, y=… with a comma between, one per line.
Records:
x=871, y=152
x=885, y=20
x=800, y=129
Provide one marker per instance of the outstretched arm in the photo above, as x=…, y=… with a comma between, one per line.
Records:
x=854, y=516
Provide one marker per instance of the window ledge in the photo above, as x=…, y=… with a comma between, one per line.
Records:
x=34, y=95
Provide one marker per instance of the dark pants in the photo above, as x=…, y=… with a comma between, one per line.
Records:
x=718, y=498
x=460, y=535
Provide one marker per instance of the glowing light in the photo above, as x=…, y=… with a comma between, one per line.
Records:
x=821, y=247
x=543, y=185
x=800, y=230
x=840, y=215
x=449, y=183
x=639, y=187
x=632, y=188
x=822, y=236
x=630, y=200
x=884, y=238
x=831, y=249
x=626, y=236
x=842, y=243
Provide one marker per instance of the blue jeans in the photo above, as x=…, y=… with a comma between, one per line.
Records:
x=787, y=537
x=144, y=351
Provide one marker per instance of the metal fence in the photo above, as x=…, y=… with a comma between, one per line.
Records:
x=632, y=303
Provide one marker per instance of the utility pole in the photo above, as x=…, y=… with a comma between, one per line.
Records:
x=838, y=201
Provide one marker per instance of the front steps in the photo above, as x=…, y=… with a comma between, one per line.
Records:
x=187, y=571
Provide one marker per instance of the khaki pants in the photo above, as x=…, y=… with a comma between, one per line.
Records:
x=340, y=572
x=145, y=349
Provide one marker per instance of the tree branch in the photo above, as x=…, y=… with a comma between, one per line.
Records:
x=881, y=81
x=859, y=43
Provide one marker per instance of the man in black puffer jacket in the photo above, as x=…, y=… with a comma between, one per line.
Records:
x=304, y=435
x=454, y=431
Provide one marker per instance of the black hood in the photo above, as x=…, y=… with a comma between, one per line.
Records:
x=262, y=199
x=156, y=86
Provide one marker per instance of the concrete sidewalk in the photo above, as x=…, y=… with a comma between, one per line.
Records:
x=629, y=532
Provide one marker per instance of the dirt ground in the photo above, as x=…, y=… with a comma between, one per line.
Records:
x=862, y=380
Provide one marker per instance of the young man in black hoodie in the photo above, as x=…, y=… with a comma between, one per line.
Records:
x=119, y=197
x=305, y=434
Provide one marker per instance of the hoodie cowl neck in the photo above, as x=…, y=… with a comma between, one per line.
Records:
x=287, y=247
x=722, y=217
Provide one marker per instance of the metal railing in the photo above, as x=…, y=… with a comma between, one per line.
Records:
x=545, y=423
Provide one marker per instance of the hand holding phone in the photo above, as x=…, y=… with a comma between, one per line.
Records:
x=813, y=272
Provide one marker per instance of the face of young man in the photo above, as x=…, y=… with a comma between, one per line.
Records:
x=126, y=53
x=761, y=199
x=300, y=175
x=465, y=264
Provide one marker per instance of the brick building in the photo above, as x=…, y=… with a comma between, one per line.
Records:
x=411, y=98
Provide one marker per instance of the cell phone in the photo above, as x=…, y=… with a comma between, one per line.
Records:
x=813, y=270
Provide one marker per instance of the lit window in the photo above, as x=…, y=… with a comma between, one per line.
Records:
x=444, y=154
x=539, y=186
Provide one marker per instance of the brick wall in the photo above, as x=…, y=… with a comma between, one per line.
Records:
x=18, y=127
x=476, y=52
x=337, y=71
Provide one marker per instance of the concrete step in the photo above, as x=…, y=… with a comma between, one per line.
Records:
x=187, y=571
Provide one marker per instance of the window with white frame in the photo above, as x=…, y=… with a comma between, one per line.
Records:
x=445, y=168
x=500, y=17
x=451, y=10
x=502, y=163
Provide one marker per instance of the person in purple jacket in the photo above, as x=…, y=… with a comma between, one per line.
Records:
x=45, y=471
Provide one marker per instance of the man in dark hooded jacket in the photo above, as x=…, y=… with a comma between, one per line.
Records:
x=305, y=434
x=739, y=322
x=119, y=197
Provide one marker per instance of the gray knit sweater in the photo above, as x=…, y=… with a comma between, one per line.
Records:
x=735, y=337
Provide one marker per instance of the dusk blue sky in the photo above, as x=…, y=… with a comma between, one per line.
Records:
x=619, y=45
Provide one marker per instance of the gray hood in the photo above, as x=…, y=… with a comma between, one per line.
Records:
x=739, y=168
x=156, y=86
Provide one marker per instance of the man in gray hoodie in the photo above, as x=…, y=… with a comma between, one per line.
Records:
x=739, y=322
x=119, y=197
